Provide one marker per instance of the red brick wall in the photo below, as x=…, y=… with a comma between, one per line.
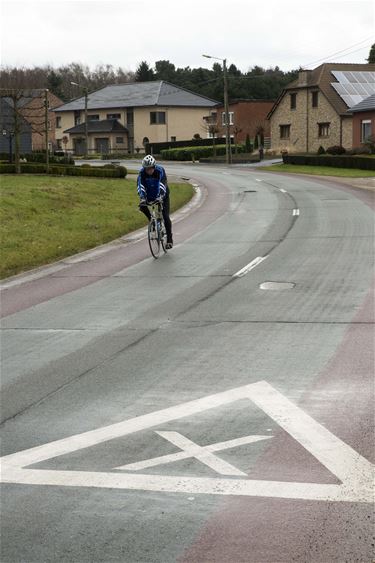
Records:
x=34, y=113
x=357, y=118
x=248, y=116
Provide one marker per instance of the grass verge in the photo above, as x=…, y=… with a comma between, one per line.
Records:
x=43, y=219
x=320, y=170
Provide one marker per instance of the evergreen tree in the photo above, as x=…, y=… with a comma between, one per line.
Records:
x=371, y=56
x=144, y=73
x=55, y=84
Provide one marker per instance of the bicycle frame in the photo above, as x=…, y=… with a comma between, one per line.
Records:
x=156, y=228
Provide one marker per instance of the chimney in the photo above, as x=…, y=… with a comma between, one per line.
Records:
x=303, y=77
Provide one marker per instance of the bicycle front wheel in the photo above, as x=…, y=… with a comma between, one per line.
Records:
x=154, y=238
x=163, y=236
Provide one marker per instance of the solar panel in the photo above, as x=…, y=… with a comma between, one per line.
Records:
x=354, y=86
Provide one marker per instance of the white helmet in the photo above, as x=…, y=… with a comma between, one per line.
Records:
x=148, y=161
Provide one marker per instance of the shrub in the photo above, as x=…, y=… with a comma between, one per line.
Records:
x=338, y=161
x=58, y=170
x=38, y=156
x=336, y=149
x=194, y=153
x=85, y=166
x=321, y=150
x=7, y=168
x=122, y=171
x=248, y=145
x=370, y=143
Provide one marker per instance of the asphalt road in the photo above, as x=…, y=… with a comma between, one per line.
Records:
x=215, y=405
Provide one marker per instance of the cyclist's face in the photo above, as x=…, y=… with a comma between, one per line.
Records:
x=150, y=170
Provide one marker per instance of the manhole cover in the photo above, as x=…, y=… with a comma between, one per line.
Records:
x=277, y=286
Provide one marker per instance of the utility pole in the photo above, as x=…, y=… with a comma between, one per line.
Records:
x=46, y=127
x=86, y=124
x=228, y=152
x=85, y=92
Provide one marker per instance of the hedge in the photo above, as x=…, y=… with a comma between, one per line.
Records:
x=190, y=153
x=40, y=157
x=339, y=161
x=59, y=170
x=156, y=148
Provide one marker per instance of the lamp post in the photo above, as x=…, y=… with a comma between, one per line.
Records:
x=228, y=153
x=85, y=92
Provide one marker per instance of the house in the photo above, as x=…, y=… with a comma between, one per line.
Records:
x=32, y=108
x=128, y=116
x=312, y=111
x=246, y=118
x=7, y=128
x=363, y=120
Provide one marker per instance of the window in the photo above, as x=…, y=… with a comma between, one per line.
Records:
x=93, y=117
x=323, y=129
x=365, y=130
x=173, y=139
x=113, y=115
x=119, y=140
x=59, y=143
x=77, y=117
x=157, y=117
x=58, y=122
x=284, y=131
x=231, y=114
x=314, y=99
x=293, y=101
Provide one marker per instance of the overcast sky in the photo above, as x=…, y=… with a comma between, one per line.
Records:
x=122, y=33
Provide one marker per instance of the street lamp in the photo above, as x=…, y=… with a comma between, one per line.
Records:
x=85, y=92
x=228, y=153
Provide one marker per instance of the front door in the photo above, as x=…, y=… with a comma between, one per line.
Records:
x=79, y=147
x=102, y=145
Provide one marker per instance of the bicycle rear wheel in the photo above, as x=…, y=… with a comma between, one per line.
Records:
x=154, y=238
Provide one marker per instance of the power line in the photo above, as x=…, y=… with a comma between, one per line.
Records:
x=338, y=52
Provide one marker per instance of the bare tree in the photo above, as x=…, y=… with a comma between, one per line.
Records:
x=211, y=126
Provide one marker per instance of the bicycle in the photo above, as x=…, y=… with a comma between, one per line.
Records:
x=157, y=235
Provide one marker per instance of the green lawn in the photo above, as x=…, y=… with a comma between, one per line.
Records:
x=320, y=170
x=44, y=218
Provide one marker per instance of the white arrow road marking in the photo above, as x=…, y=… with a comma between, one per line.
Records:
x=191, y=450
x=354, y=471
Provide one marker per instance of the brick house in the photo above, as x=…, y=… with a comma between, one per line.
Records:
x=363, y=120
x=246, y=117
x=32, y=109
x=312, y=111
x=144, y=112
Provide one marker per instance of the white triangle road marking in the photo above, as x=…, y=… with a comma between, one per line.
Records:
x=353, y=470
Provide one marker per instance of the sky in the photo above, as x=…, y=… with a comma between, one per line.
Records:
x=122, y=33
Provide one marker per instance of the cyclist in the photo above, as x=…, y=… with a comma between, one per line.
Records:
x=152, y=184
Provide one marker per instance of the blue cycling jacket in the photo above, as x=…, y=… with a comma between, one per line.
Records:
x=152, y=186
